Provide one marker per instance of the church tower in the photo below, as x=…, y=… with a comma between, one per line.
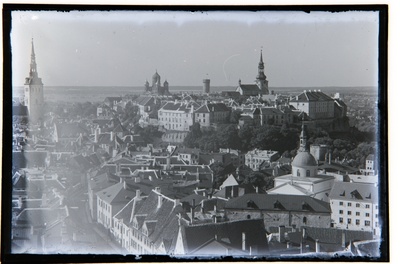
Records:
x=261, y=79
x=33, y=87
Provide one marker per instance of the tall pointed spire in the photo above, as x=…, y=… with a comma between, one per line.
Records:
x=33, y=68
x=303, y=138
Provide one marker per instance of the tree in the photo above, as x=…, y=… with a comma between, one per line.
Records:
x=256, y=179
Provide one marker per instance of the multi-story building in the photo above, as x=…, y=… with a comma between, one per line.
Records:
x=255, y=158
x=110, y=201
x=211, y=113
x=178, y=116
x=148, y=225
x=315, y=104
x=355, y=207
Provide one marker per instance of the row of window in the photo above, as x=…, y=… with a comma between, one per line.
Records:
x=357, y=213
x=349, y=221
x=357, y=205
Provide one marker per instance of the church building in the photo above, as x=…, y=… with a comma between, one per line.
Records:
x=156, y=87
x=261, y=84
x=33, y=90
x=304, y=179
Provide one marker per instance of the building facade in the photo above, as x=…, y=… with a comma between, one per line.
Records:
x=177, y=116
x=355, y=207
x=255, y=158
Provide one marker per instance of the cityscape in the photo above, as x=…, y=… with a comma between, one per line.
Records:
x=241, y=168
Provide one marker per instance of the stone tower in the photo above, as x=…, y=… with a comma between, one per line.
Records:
x=261, y=79
x=33, y=88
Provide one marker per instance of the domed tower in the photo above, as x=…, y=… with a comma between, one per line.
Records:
x=166, y=87
x=304, y=164
x=156, y=78
x=147, y=87
x=33, y=88
x=261, y=79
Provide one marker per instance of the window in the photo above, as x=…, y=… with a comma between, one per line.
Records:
x=308, y=173
x=357, y=221
x=340, y=211
x=367, y=206
x=357, y=205
x=340, y=219
x=298, y=172
x=357, y=213
x=304, y=220
x=340, y=203
x=348, y=212
x=348, y=204
x=367, y=223
x=366, y=214
x=349, y=221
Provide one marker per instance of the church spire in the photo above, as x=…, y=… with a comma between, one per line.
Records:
x=303, y=139
x=33, y=68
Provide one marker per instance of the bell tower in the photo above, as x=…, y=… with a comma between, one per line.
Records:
x=33, y=91
x=261, y=79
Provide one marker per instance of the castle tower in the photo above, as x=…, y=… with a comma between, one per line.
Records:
x=261, y=79
x=206, y=86
x=33, y=88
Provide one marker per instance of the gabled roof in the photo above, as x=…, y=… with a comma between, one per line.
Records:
x=308, y=96
x=178, y=106
x=230, y=181
x=70, y=130
x=116, y=194
x=195, y=236
x=144, y=100
x=351, y=191
x=279, y=202
x=250, y=88
x=215, y=107
x=270, y=111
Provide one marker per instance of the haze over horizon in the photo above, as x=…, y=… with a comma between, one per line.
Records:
x=124, y=48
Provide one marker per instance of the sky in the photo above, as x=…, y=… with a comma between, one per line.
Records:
x=125, y=48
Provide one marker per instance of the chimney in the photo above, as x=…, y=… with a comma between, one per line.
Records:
x=111, y=136
x=125, y=185
x=137, y=194
x=343, y=239
x=192, y=210
x=304, y=233
x=281, y=234
x=243, y=241
x=317, y=249
x=256, y=189
x=330, y=158
x=168, y=162
x=96, y=135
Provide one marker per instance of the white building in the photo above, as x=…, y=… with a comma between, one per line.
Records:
x=178, y=116
x=255, y=158
x=355, y=207
x=304, y=179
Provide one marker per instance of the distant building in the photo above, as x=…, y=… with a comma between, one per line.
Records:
x=156, y=87
x=178, y=116
x=211, y=113
x=315, y=104
x=206, y=86
x=254, y=159
x=320, y=152
x=33, y=88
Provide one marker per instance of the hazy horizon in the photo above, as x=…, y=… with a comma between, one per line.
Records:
x=94, y=48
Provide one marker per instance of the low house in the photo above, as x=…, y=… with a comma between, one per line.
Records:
x=278, y=210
